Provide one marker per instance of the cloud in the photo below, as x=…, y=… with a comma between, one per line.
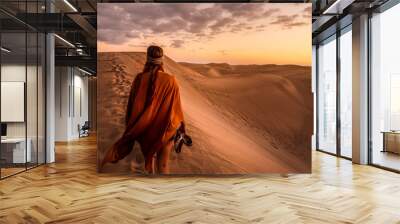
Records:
x=295, y=24
x=307, y=9
x=307, y=12
x=145, y=44
x=270, y=12
x=133, y=34
x=248, y=11
x=288, y=22
x=238, y=27
x=119, y=23
x=177, y=43
x=112, y=39
x=222, y=23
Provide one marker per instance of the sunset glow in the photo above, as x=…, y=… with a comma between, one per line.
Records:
x=248, y=33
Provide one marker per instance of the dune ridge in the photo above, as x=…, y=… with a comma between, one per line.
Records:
x=253, y=120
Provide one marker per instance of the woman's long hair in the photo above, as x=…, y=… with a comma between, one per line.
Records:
x=153, y=52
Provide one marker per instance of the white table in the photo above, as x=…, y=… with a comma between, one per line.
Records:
x=19, y=155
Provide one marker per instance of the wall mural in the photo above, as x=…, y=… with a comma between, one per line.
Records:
x=188, y=88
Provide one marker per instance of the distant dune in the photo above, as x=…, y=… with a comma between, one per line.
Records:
x=242, y=118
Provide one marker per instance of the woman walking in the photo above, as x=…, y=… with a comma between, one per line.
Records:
x=153, y=117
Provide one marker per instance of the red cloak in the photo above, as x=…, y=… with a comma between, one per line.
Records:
x=154, y=126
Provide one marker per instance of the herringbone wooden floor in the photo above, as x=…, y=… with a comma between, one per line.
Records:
x=70, y=191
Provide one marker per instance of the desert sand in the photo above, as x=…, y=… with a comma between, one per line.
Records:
x=242, y=118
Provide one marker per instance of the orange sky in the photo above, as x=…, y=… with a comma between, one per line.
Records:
x=282, y=36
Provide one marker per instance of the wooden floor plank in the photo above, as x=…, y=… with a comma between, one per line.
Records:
x=71, y=191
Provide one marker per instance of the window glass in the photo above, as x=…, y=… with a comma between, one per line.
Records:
x=15, y=150
x=327, y=96
x=385, y=88
x=346, y=93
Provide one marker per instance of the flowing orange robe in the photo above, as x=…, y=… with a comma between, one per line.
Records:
x=158, y=122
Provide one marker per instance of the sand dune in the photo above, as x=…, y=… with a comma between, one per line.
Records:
x=242, y=118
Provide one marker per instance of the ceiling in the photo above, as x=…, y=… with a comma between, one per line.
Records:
x=73, y=21
x=332, y=15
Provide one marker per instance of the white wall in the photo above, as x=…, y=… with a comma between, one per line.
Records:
x=62, y=81
x=33, y=126
x=12, y=73
x=81, y=103
x=71, y=102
